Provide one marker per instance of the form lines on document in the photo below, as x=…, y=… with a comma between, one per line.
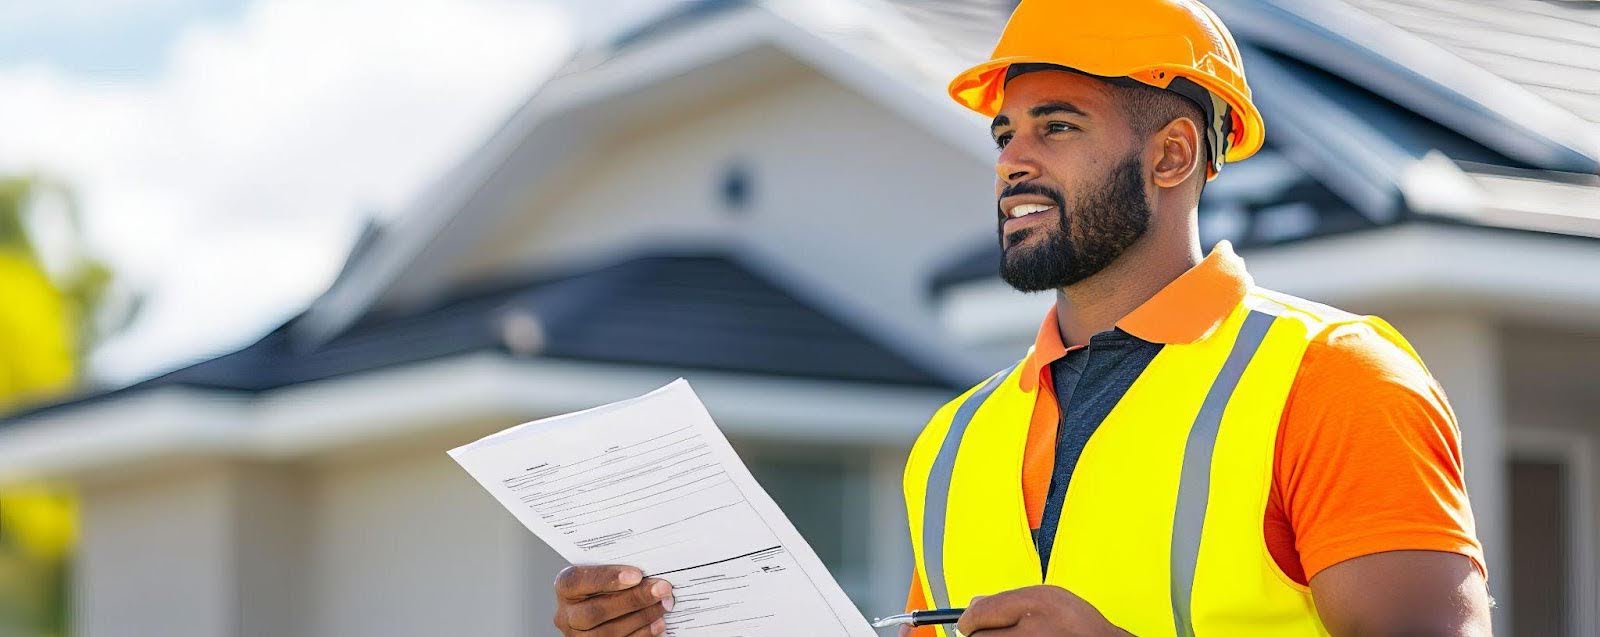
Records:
x=533, y=481
x=687, y=613
x=550, y=514
x=731, y=621
x=726, y=559
x=712, y=579
x=612, y=450
x=723, y=590
x=630, y=456
x=621, y=475
x=602, y=454
x=540, y=499
x=625, y=475
x=536, y=471
x=705, y=512
x=653, y=504
x=547, y=512
x=548, y=487
x=603, y=540
x=537, y=500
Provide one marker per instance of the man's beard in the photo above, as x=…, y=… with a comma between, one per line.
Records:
x=1105, y=220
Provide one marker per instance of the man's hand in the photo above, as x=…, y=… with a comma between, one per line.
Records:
x=1035, y=611
x=610, y=601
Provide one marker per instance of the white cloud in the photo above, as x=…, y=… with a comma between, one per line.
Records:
x=231, y=183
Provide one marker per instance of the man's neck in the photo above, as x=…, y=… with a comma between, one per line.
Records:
x=1095, y=304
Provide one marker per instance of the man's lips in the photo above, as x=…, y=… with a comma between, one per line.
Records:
x=1018, y=206
x=1026, y=209
x=1029, y=217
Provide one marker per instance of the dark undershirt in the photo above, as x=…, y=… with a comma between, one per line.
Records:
x=1088, y=382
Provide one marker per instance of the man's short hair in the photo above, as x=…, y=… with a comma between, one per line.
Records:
x=1149, y=108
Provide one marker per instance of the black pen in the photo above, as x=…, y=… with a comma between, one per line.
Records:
x=921, y=618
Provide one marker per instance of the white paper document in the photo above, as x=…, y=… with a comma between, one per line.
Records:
x=651, y=482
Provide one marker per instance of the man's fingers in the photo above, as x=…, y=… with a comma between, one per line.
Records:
x=991, y=612
x=659, y=627
x=639, y=622
x=599, y=609
x=578, y=582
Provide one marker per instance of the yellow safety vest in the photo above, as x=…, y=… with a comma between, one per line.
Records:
x=1162, y=525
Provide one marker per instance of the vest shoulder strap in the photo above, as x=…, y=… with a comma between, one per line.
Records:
x=1320, y=319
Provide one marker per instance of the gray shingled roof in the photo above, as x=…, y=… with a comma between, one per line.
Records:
x=1552, y=48
x=967, y=27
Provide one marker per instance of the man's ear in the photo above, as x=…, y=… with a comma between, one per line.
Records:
x=1177, y=153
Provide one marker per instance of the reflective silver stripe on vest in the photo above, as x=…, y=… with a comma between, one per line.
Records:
x=1194, y=483
x=936, y=499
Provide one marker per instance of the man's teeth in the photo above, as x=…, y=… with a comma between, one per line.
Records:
x=1027, y=209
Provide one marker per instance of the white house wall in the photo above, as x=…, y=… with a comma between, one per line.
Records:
x=136, y=564
x=198, y=549
x=404, y=543
x=841, y=190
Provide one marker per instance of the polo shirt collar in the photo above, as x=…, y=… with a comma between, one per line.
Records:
x=1186, y=310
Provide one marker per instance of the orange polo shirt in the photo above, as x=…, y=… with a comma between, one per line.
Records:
x=1368, y=454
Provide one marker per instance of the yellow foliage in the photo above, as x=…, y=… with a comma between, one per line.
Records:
x=36, y=351
x=41, y=522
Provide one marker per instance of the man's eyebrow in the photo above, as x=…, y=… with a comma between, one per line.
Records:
x=1051, y=108
x=1041, y=110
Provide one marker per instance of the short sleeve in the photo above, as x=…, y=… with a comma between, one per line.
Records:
x=1369, y=456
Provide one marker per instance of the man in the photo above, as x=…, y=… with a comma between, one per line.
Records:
x=1181, y=452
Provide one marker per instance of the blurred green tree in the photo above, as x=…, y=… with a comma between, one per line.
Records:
x=48, y=319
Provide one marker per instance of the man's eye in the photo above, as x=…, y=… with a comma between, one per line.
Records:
x=1060, y=127
x=1002, y=140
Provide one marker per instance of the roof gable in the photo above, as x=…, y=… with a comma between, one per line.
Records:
x=702, y=53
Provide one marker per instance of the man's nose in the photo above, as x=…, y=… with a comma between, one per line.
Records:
x=1013, y=166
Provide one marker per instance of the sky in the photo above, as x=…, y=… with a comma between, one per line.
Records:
x=227, y=152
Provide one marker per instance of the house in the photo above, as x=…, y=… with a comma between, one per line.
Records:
x=777, y=201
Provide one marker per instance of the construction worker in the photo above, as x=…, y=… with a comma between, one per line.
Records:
x=1181, y=452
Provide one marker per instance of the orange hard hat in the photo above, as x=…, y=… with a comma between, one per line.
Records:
x=1168, y=44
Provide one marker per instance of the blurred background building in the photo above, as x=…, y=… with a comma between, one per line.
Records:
x=777, y=201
